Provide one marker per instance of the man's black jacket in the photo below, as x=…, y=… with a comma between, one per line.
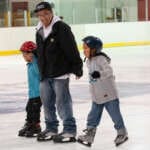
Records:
x=58, y=54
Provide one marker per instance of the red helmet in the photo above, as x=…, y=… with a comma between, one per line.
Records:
x=28, y=46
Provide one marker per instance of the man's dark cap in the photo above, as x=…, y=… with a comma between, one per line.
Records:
x=42, y=6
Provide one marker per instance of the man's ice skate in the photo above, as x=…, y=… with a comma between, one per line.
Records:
x=24, y=129
x=33, y=131
x=64, y=138
x=120, y=139
x=46, y=135
x=88, y=138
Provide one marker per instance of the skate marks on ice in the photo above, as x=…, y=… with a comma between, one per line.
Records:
x=128, y=89
x=81, y=93
x=13, y=97
x=131, y=68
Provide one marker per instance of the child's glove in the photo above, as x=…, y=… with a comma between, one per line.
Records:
x=95, y=74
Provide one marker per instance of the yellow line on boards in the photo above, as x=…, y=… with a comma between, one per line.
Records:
x=106, y=45
x=125, y=44
x=10, y=52
x=122, y=44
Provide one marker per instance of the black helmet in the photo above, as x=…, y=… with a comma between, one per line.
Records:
x=93, y=43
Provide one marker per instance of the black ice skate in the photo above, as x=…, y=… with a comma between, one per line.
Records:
x=33, y=131
x=25, y=128
x=46, y=135
x=64, y=138
x=120, y=139
x=88, y=138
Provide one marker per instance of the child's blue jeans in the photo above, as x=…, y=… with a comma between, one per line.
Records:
x=113, y=110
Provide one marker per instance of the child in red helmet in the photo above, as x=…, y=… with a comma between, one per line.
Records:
x=103, y=91
x=33, y=107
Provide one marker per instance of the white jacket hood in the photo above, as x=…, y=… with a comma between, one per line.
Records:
x=55, y=19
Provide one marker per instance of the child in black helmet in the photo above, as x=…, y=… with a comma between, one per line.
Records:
x=103, y=91
x=32, y=125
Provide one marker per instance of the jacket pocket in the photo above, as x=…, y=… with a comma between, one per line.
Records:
x=97, y=90
x=104, y=90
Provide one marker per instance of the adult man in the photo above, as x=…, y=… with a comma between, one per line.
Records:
x=57, y=58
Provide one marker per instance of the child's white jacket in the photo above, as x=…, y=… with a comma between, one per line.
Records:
x=102, y=89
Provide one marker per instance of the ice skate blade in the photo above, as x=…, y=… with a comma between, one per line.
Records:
x=44, y=139
x=118, y=144
x=21, y=135
x=66, y=140
x=31, y=135
x=85, y=144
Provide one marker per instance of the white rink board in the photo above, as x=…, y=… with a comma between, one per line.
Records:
x=12, y=38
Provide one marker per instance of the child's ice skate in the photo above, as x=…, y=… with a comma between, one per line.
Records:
x=24, y=129
x=121, y=137
x=46, y=135
x=33, y=131
x=64, y=138
x=88, y=138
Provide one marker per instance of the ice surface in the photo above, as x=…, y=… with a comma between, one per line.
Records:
x=132, y=69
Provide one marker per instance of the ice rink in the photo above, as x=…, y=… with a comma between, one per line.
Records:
x=132, y=69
